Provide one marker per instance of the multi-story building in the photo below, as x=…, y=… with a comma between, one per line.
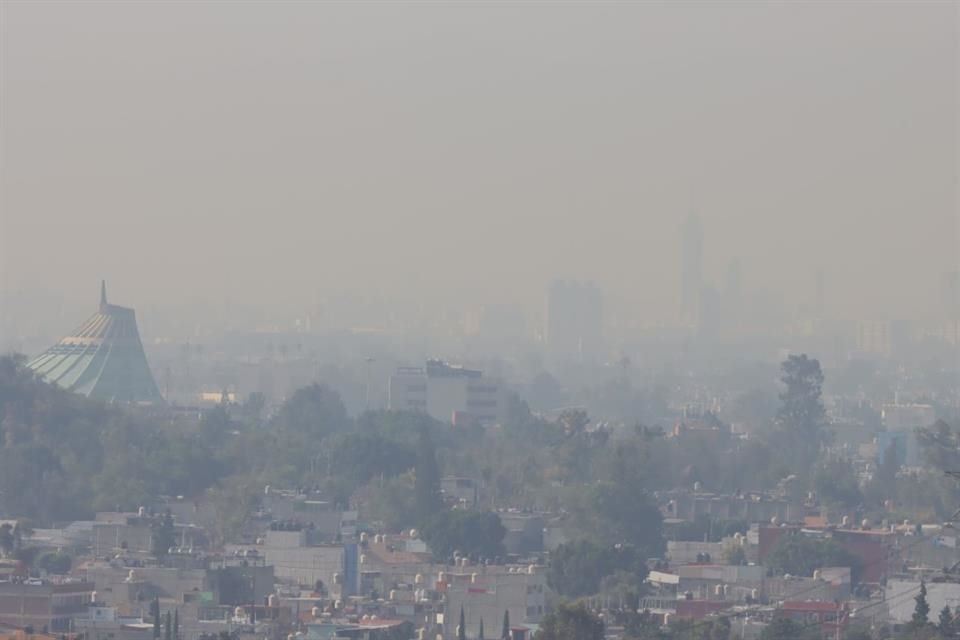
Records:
x=43, y=605
x=901, y=421
x=296, y=560
x=325, y=521
x=907, y=417
x=461, y=491
x=879, y=338
x=132, y=533
x=721, y=582
x=752, y=507
x=487, y=592
x=447, y=393
x=126, y=532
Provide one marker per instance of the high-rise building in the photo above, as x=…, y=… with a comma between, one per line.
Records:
x=574, y=321
x=447, y=393
x=691, y=270
x=880, y=338
x=102, y=359
x=950, y=295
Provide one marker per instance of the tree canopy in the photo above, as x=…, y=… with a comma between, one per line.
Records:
x=801, y=418
x=474, y=534
x=571, y=622
x=800, y=555
x=578, y=568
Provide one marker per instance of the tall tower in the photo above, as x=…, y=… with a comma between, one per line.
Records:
x=691, y=269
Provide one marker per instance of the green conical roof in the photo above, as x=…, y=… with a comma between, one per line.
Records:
x=102, y=359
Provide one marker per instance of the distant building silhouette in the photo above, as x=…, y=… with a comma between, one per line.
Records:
x=691, y=270
x=950, y=294
x=102, y=359
x=574, y=321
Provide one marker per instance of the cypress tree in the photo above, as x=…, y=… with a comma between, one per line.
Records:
x=945, y=622
x=505, y=634
x=462, y=628
x=155, y=612
x=921, y=610
x=426, y=479
x=176, y=624
x=480, y=635
x=168, y=627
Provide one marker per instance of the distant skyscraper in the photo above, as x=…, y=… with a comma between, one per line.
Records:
x=102, y=359
x=447, y=393
x=819, y=295
x=574, y=321
x=950, y=295
x=691, y=278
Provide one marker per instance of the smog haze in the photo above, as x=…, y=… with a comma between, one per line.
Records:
x=449, y=155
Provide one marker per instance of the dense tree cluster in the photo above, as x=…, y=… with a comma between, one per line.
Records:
x=579, y=568
x=800, y=555
x=571, y=622
x=477, y=535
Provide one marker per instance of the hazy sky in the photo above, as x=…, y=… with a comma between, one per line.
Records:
x=276, y=151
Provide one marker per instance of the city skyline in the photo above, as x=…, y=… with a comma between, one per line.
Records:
x=838, y=159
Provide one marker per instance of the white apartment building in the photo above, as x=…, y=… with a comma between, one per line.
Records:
x=447, y=393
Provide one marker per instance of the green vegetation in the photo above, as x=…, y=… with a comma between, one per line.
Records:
x=800, y=555
x=56, y=562
x=921, y=608
x=64, y=457
x=571, y=622
x=786, y=629
x=835, y=482
x=578, y=568
x=477, y=535
x=128, y=459
x=428, y=501
x=801, y=419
